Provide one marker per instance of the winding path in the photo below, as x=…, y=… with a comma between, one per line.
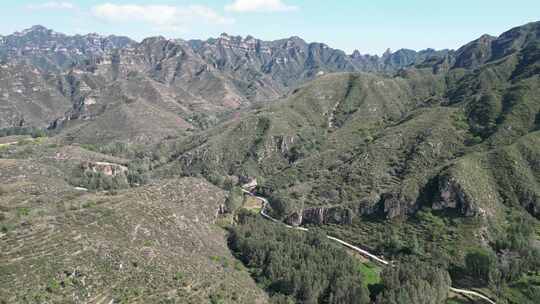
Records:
x=359, y=250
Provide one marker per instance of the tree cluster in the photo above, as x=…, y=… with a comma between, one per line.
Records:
x=34, y=132
x=297, y=267
x=99, y=181
x=413, y=281
x=514, y=256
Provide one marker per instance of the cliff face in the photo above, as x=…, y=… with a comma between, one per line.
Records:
x=453, y=196
x=321, y=215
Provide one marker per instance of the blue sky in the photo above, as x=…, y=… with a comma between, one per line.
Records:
x=369, y=26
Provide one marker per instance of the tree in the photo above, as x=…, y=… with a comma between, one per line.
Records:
x=234, y=200
x=414, y=245
x=496, y=281
x=393, y=244
x=295, y=265
x=478, y=263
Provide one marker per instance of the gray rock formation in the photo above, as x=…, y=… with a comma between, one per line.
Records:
x=452, y=196
x=321, y=215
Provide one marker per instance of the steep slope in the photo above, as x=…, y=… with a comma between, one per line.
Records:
x=29, y=97
x=336, y=132
x=486, y=182
x=439, y=160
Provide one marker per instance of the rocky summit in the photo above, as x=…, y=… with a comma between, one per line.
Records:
x=238, y=170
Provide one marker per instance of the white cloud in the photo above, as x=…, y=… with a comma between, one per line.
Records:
x=163, y=17
x=52, y=5
x=243, y=6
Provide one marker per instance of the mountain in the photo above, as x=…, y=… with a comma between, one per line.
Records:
x=445, y=149
x=395, y=134
x=86, y=81
x=97, y=247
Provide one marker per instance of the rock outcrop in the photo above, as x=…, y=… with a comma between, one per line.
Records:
x=395, y=205
x=321, y=215
x=453, y=196
x=108, y=169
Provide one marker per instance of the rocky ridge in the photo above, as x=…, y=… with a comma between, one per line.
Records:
x=58, y=81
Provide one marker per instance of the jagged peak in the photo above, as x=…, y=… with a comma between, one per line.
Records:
x=44, y=30
x=296, y=40
x=487, y=37
x=93, y=35
x=153, y=39
x=37, y=28
x=484, y=39
x=225, y=36
x=33, y=29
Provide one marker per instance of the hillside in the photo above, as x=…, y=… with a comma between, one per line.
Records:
x=392, y=135
x=154, y=243
x=454, y=139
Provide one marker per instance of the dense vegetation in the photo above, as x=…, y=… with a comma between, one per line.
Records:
x=32, y=131
x=98, y=181
x=297, y=267
x=412, y=281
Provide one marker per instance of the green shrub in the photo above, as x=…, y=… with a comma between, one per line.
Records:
x=52, y=286
x=479, y=262
x=32, y=131
x=23, y=211
x=178, y=276
x=234, y=200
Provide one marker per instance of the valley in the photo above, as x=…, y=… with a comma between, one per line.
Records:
x=122, y=166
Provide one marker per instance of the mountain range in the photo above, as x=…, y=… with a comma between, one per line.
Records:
x=123, y=164
x=186, y=84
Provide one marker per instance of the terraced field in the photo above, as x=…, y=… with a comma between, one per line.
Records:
x=146, y=245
